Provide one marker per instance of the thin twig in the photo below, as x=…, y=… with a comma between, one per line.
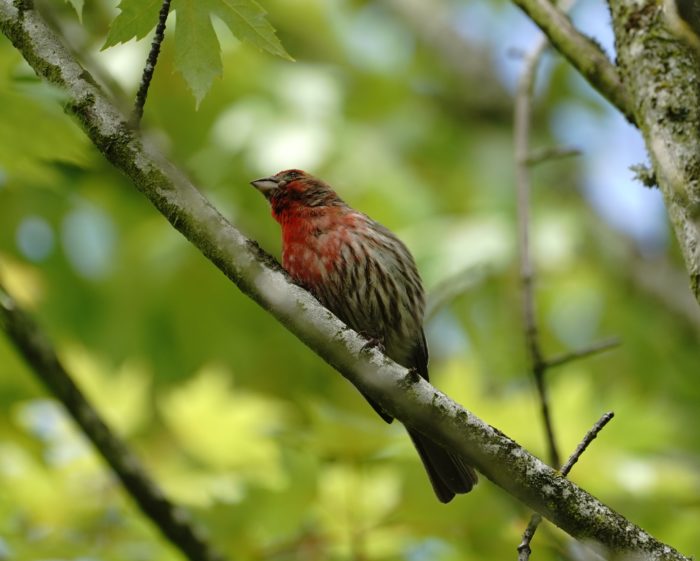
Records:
x=581, y=51
x=591, y=350
x=524, y=160
x=454, y=286
x=524, y=550
x=33, y=344
x=548, y=154
x=585, y=443
x=523, y=110
x=150, y=64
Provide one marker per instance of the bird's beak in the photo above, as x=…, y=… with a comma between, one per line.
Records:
x=266, y=185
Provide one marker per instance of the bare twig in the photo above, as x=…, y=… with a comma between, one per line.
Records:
x=454, y=286
x=150, y=64
x=524, y=160
x=524, y=550
x=552, y=153
x=585, y=443
x=37, y=350
x=582, y=52
x=523, y=110
x=591, y=350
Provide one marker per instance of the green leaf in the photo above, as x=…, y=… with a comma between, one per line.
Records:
x=136, y=20
x=78, y=7
x=197, y=50
x=246, y=20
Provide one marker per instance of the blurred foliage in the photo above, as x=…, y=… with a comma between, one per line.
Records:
x=276, y=455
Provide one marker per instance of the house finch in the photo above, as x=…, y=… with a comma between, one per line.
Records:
x=367, y=277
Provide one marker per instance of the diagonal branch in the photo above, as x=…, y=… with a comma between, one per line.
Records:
x=399, y=391
x=594, y=349
x=581, y=51
x=591, y=435
x=37, y=350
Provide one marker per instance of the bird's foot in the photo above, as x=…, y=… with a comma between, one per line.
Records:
x=372, y=343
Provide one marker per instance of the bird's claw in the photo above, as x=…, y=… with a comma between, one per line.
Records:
x=372, y=343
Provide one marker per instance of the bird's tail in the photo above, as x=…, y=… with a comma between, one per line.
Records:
x=448, y=473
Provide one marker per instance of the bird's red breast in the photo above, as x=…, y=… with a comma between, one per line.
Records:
x=312, y=241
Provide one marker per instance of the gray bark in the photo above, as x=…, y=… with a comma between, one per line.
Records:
x=662, y=76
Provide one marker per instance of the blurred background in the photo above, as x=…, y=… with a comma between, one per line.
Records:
x=405, y=107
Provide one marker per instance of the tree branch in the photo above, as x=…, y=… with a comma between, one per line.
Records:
x=524, y=549
x=548, y=154
x=661, y=99
x=581, y=51
x=661, y=75
x=538, y=364
x=454, y=286
x=591, y=435
x=150, y=66
x=594, y=349
x=399, y=391
x=173, y=521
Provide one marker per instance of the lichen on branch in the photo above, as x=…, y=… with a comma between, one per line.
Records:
x=662, y=76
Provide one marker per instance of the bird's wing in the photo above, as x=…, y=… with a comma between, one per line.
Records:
x=388, y=418
x=419, y=363
x=420, y=357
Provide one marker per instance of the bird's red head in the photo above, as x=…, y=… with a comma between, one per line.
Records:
x=294, y=190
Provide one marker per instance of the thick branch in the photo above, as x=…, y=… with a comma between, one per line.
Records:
x=662, y=77
x=582, y=52
x=39, y=353
x=401, y=392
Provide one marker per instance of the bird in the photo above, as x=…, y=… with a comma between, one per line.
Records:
x=367, y=277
